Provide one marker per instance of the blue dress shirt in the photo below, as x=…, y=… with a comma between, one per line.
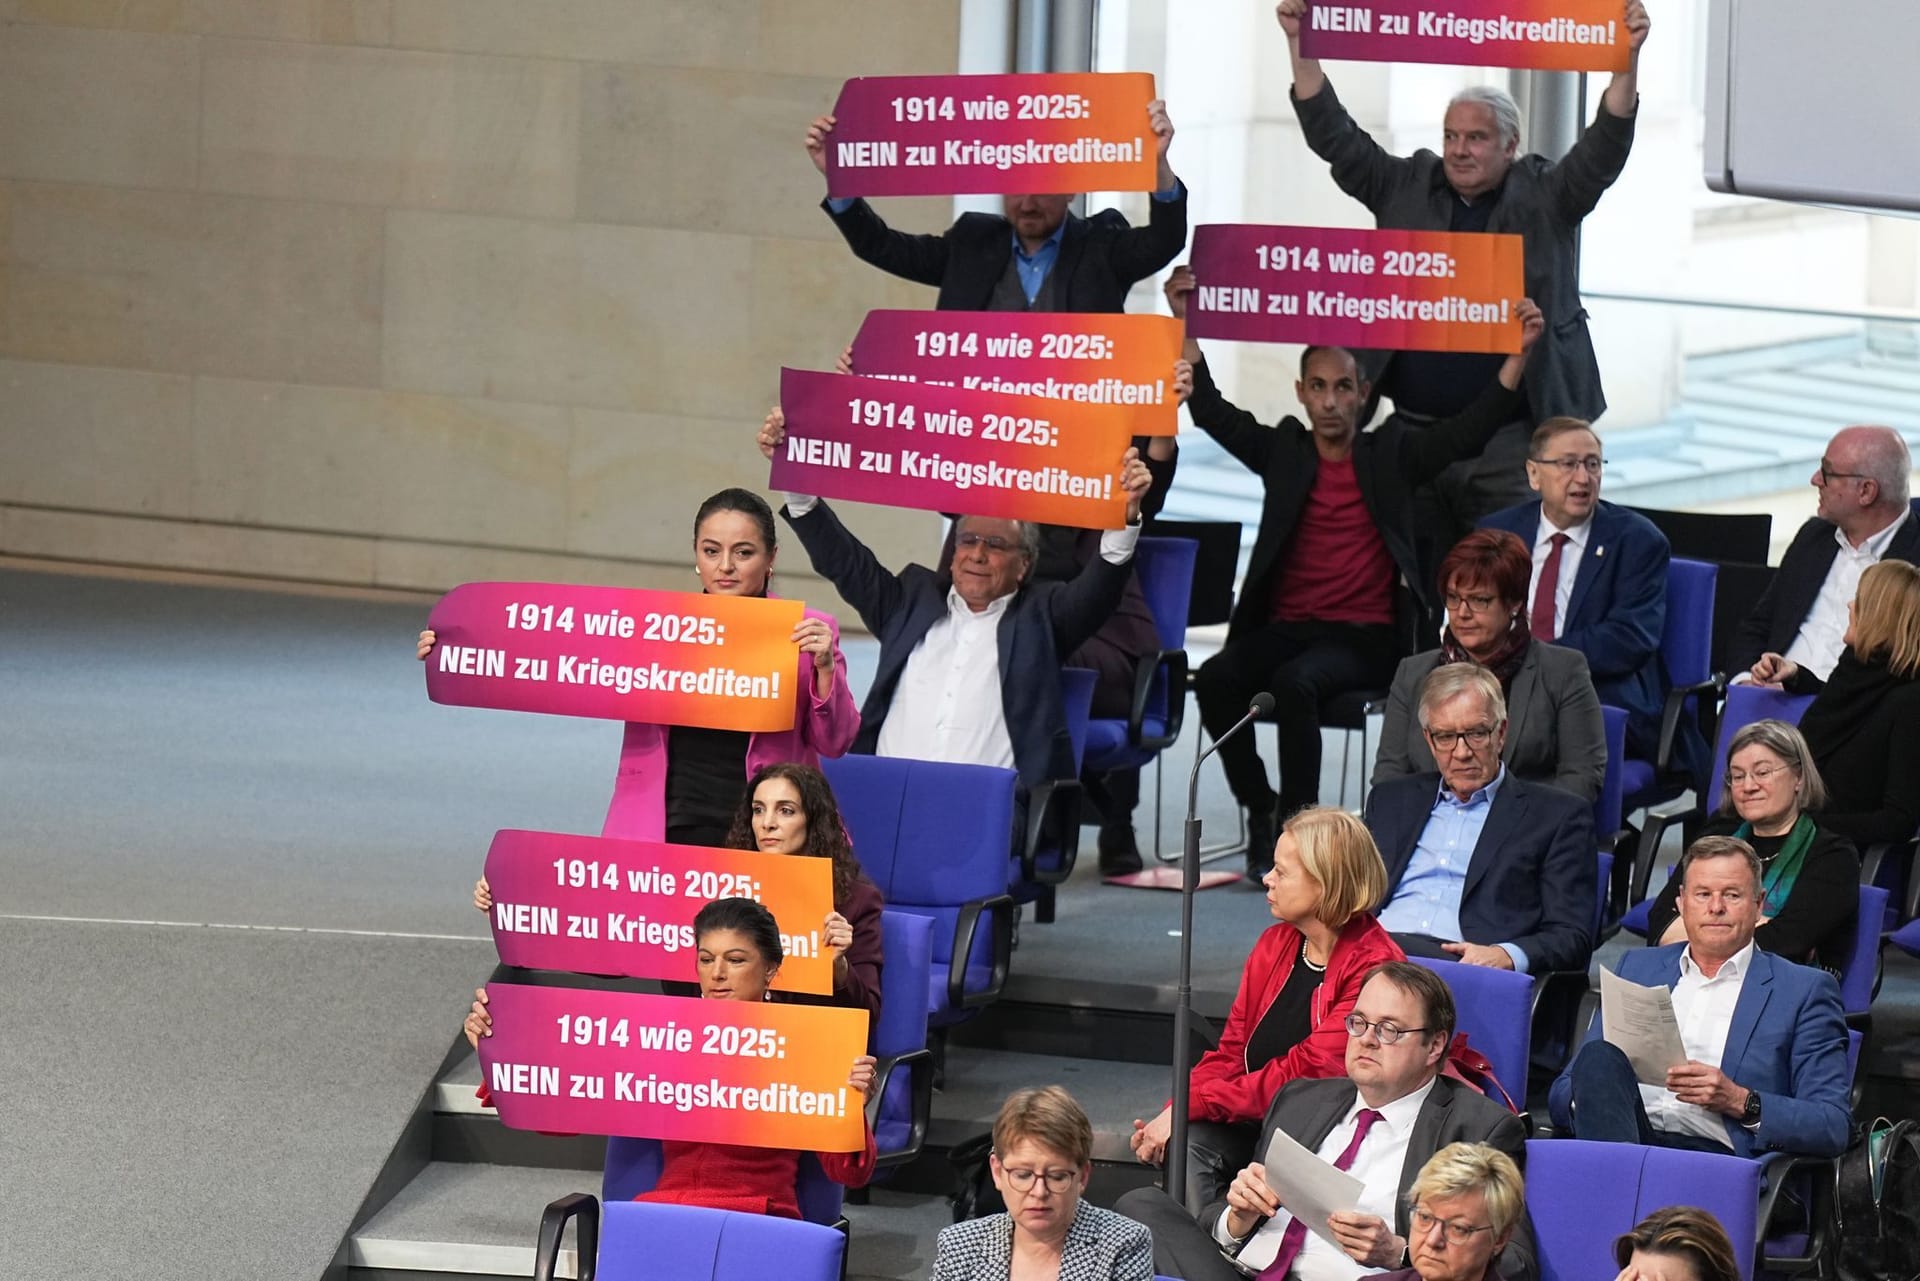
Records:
x=1428, y=900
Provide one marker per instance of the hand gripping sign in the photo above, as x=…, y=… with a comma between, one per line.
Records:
x=668, y=658
x=594, y=905
x=1116, y=366
x=1547, y=35
x=1397, y=290
x=959, y=135
x=981, y=453
x=752, y=1073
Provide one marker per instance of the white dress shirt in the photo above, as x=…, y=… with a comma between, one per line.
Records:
x=948, y=705
x=1704, y=1009
x=1818, y=644
x=1378, y=1165
x=1577, y=536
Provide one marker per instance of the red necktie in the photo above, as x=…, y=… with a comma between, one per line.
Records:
x=1545, y=625
x=1296, y=1234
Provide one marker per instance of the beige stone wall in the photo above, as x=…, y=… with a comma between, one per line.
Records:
x=409, y=292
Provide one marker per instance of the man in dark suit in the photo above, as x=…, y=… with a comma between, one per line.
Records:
x=1599, y=580
x=1483, y=867
x=1316, y=615
x=970, y=659
x=1380, y=1123
x=1765, y=1039
x=1863, y=517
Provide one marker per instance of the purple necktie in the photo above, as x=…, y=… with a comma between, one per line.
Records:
x=1296, y=1234
x=1545, y=625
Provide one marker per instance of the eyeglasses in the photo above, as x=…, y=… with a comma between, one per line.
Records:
x=1759, y=774
x=1387, y=1032
x=994, y=543
x=1457, y=1233
x=1828, y=475
x=1444, y=739
x=1569, y=465
x=1056, y=1180
x=1478, y=604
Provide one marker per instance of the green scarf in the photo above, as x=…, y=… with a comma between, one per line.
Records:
x=1776, y=883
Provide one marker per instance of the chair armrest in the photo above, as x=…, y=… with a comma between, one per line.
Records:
x=1659, y=819
x=553, y=1222
x=1052, y=805
x=1001, y=906
x=1143, y=673
x=1670, y=718
x=918, y=1065
x=1778, y=1171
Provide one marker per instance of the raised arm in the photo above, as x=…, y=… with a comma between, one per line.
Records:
x=1578, y=180
x=1239, y=432
x=1423, y=455
x=841, y=559
x=1082, y=605
x=1361, y=167
x=1141, y=251
x=919, y=258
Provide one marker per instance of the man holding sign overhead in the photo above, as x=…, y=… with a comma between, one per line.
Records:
x=1482, y=184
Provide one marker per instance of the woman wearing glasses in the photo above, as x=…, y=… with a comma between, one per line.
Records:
x=1554, y=731
x=1809, y=873
x=1042, y=1159
x=1863, y=725
x=1298, y=986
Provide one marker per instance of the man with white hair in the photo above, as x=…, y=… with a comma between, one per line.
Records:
x=1481, y=182
x=1864, y=517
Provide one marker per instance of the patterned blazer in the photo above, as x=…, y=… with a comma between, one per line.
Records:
x=1100, y=1246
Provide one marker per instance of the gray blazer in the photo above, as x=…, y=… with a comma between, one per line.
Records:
x=1555, y=734
x=1453, y=1113
x=1100, y=1246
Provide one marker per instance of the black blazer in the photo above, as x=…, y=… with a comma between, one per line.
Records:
x=1100, y=257
x=1454, y=1113
x=1534, y=875
x=1776, y=618
x=1389, y=463
x=1043, y=624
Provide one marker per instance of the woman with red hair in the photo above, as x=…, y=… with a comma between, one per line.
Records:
x=1554, y=731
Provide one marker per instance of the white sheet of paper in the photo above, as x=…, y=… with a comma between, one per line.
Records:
x=1640, y=1021
x=1310, y=1188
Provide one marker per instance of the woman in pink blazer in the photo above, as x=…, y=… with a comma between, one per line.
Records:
x=680, y=783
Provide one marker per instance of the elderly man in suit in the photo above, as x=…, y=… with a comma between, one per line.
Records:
x=1482, y=866
x=1381, y=1123
x=1864, y=517
x=1765, y=1039
x=1599, y=580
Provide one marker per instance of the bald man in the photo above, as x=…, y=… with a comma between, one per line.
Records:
x=1864, y=517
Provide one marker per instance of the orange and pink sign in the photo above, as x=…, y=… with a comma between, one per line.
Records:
x=945, y=449
x=962, y=135
x=751, y=1073
x=1117, y=366
x=1545, y=35
x=1401, y=290
x=594, y=905
x=669, y=658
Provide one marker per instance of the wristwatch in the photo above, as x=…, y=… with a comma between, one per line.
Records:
x=1750, y=1114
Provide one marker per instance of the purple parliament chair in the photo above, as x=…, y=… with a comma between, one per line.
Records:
x=629, y=1241
x=1582, y=1195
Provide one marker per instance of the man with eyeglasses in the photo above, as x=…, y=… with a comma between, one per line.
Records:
x=1381, y=1123
x=1483, y=867
x=1765, y=1039
x=1863, y=518
x=1599, y=580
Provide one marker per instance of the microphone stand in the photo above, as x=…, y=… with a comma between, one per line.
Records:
x=1176, y=1163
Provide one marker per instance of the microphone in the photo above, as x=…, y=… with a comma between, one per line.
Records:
x=1262, y=705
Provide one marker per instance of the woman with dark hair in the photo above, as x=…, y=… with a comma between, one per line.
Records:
x=1864, y=722
x=1554, y=730
x=738, y=951
x=680, y=783
x=1678, y=1243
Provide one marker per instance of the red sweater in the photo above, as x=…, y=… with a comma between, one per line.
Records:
x=721, y=1176
x=1221, y=1088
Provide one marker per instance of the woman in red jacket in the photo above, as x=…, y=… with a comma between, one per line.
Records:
x=738, y=948
x=1299, y=985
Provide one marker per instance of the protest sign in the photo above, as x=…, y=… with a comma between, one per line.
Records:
x=959, y=135
x=595, y=905
x=978, y=453
x=1545, y=35
x=1118, y=366
x=1401, y=290
x=754, y=1073
x=669, y=658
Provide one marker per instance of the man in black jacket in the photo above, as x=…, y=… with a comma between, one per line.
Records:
x=1316, y=614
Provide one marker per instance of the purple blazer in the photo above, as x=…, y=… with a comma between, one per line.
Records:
x=821, y=727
